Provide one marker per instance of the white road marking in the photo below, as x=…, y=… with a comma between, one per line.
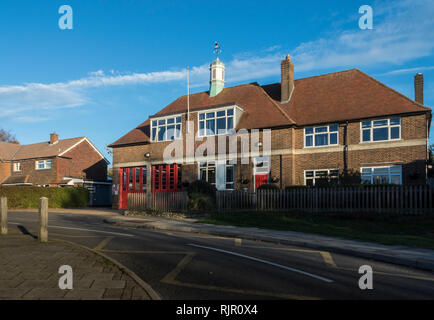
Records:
x=263, y=261
x=80, y=229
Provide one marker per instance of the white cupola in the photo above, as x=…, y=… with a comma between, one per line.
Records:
x=217, y=77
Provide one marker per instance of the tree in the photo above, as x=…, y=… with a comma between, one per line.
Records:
x=6, y=136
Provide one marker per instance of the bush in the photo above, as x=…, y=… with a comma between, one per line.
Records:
x=203, y=187
x=201, y=202
x=268, y=186
x=28, y=197
x=295, y=187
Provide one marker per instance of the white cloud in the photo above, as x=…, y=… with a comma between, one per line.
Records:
x=403, y=31
x=407, y=70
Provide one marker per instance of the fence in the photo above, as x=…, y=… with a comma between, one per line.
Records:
x=399, y=199
x=170, y=201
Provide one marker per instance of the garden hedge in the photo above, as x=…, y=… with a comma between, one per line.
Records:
x=28, y=197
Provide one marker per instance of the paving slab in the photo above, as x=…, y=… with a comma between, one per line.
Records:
x=30, y=271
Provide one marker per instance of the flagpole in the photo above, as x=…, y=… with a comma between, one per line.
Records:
x=188, y=98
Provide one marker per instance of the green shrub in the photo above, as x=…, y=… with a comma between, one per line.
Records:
x=28, y=197
x=204, y=187
x=268, y=186
x=198, y=201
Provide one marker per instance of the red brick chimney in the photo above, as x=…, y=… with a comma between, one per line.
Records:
x=418, y=88
x=287, y=79
x=54, y=137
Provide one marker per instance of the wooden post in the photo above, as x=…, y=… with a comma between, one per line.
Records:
x=4, y=215
x=43, y=219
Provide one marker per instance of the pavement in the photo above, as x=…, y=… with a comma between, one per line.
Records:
x=29, y=270
x=400, y=255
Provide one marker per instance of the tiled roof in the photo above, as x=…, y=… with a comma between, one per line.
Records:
x=339, y=96
x=7, y=150
x=36, y=150
x=16, y=179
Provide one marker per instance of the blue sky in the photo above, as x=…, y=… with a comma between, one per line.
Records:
x=125, y=60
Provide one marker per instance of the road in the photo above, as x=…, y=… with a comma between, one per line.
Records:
x=190, y=266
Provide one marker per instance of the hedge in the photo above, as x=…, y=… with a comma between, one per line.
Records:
x=28, y=197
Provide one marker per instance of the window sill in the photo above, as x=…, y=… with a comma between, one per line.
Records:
x=327, y=146
x=381, y=141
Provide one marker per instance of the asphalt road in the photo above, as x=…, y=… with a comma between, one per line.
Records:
x=191, y=266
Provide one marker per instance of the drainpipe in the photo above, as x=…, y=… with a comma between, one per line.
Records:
x=346, y=148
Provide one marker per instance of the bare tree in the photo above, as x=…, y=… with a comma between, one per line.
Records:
x=6, y=136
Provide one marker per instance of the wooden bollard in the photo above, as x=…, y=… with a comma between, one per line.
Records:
x=43, y=219
x=4, y=215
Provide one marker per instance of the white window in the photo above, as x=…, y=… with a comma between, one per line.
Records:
x=166, y=129
x=382, y=175
x=17, y=166
x=261, y=165
x=220, y=121
x=43, y=164
x=321, y=136
x=220, y=174
x=381, y=130
x=313, y=176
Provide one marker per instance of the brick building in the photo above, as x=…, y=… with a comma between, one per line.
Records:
x=297, y=132
x=53, y=163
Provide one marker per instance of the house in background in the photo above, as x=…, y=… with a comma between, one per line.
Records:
x=58, y=162
x=321, y=126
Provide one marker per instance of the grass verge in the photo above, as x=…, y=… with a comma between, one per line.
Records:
x=417, y=231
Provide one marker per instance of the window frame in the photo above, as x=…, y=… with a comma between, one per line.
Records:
x=214, y=165
x=44, y=163
x=314, y=176
x=388, y=126
x=165, y=125
x=382, y=167
x=17, y=167
x=216, y=110
x=328, y=132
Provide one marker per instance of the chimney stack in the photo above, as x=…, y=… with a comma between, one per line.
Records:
x=418, y=88
x=287, y=79
x=54, y=137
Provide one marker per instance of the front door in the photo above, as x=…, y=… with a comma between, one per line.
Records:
x=132, y=180
x=260, y=179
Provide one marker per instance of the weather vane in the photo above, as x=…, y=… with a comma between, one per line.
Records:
x=217, y=49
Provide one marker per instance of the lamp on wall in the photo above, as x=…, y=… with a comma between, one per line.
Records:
x=147, y=155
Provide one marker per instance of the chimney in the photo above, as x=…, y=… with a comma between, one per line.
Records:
x=418, y=88
x=287, y=79
x=54, y=137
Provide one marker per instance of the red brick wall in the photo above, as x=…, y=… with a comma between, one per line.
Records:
x=294, y=164
x=38, y=177
x=5, y=170
x=86, y=163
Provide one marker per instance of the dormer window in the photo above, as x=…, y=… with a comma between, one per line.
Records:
x=219, y=121
x=166, y=129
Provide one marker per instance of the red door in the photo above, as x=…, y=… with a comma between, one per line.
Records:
x=166, y=178
x=260, y=179
x=132, y=180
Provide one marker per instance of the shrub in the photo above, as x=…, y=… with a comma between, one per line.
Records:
x=28, y=197
x=203, y=187
x=198, y=201
x=268, y=186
